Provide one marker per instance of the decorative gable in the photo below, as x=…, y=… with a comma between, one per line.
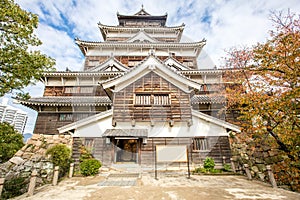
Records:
x=111, y=65
x=142, y=37
x=152, y=64
x=151, y=98
x=174, y=64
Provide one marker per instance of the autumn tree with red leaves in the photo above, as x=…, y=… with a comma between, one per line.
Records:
x=267, y=93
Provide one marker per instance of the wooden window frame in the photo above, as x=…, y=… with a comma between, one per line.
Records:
x=160, y=99
x=200, y=144
x=63, y=117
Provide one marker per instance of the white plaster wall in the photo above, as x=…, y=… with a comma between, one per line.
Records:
x=199, y=128
x=94, y=129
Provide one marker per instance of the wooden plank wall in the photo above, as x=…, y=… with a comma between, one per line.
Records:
x=60, y=91
x=125, y=109
x=47, y=123
x=92, y=61
x=218, y=147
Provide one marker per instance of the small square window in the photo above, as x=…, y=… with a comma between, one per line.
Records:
x=200, y=144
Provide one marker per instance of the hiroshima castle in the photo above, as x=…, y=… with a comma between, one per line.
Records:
x=140, y=88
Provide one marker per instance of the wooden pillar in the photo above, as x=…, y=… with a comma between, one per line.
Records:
x=271, y=176
x=71, y=171
x=32, y=183
x=232, y=165
x=55, y=175
x=248, y=171
x=140, y=141
x=113, y=150
x=224, y=160
x=2, y=179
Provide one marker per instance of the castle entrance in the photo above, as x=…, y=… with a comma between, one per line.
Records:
x=126, y=150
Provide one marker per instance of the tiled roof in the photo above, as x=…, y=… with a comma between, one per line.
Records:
x=206, y=99
x=140, y=133
x=68, y=101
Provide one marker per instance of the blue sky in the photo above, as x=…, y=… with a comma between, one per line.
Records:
x=223, y=23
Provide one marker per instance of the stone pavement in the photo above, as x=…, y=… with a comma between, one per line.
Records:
x=120, y=179
x=168, y=187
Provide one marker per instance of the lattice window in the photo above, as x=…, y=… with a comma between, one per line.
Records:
x=66, y=117
x=200, y=144
x=161, y=99
x=71, y=90
x=77, y=90
x=80, y=116
x=86, y=90
x=155, y=99
x=143, y=99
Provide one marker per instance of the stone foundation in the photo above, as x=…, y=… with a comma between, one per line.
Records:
x=33, y=156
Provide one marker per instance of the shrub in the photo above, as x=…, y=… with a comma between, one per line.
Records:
x=90, y=167
x=85, y=154
x=14, y=187
x=209, y=163
x=60, y=155
x=10, y=141
x=227, y=167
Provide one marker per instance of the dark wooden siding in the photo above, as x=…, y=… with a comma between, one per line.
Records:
x=125, y=108
x=61, y=91
x=219, y=147
x=47, y=123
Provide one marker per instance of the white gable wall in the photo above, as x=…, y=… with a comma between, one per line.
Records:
x=200, y=128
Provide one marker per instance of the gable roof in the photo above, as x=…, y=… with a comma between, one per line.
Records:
x=85, y=121
x=151, y=64
x=142, y=12
x=85, y=45
x=111, y=62
x=215, y=120
x=141, y=36
x=175, y=64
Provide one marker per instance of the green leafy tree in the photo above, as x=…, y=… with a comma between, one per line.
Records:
x=19, y=64
x=268, y=93
x=10, y=142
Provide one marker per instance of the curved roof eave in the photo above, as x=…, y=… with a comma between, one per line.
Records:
x=163, y=28
x=126, y=44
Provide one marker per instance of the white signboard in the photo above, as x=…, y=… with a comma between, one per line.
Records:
x=171, y=153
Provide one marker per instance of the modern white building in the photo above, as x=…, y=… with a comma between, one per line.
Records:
x=13, y=116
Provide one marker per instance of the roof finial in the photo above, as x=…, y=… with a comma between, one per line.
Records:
x=142, y=6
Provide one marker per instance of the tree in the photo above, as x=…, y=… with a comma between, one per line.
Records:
x=19, y=64
x=10, y=142
x=268, y=94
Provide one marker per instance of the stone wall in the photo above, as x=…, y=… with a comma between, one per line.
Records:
x=256, y=156
x=33, y=156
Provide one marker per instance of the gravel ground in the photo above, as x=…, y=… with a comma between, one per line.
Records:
x=167, y=187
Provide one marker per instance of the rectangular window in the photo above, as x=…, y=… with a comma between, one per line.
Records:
x=71, y=89
x=148, y=99
x=200, y=144
x=161, y=99
x=80, y=116
x=77, y=90
x=86, y=90
x=133, y=63
x=143, y=99
x=65, y=117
